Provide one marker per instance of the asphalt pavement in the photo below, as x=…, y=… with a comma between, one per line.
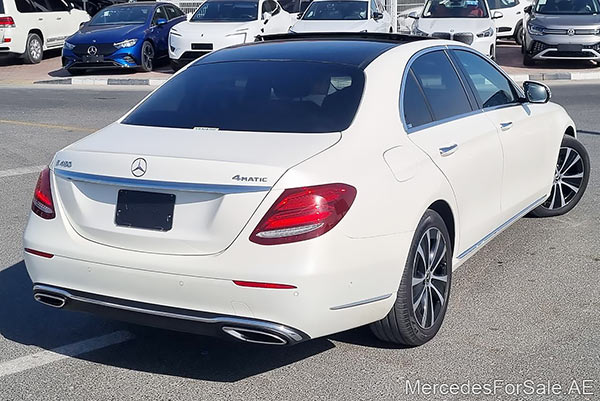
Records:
x=526, y=307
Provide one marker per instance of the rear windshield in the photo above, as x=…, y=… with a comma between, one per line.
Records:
x=264, y=96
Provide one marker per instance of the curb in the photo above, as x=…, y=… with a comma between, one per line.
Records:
x=92, y=81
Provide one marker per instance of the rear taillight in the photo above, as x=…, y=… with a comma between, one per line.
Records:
x=42, y=204
x=304, y=213
x=7, y=22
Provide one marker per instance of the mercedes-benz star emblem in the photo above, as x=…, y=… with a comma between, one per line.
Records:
x=571, y=32
x=92, y=50
x=139, y=167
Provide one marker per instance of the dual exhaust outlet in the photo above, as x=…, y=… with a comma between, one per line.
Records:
x=255, y=335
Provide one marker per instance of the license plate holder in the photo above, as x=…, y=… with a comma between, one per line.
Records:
x=570, y=48
x=92, y=58
x=145, y=210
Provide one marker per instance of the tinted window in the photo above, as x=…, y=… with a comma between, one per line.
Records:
x=337, y=10
x=1, y=7
x=455, y=9
x=159, y=14
x=269, y=6
x=57, y=5
x=491, y=87
x=24, y=6
x=416, y=110
x=581, y=7
x=173, y=12
x=256, y=96
x=498, y=4
x=229, y=11
x=441, y=85
x=121, y=15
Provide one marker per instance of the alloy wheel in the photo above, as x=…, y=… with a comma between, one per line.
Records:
x=430, y=278
x=147, y=56
x=568, y=178
x=35, y=49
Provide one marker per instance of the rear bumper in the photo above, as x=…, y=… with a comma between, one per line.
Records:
x=197, y=322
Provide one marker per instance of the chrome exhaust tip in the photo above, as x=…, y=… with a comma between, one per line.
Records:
x=55, y=301
x=255, y=336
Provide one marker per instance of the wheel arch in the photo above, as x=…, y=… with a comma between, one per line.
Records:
x=38, y=32
x=570, y=131
x=445, y=211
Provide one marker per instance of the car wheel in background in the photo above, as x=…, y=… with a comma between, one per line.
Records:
x=424, y=290
x=147, y=57
x=34, y=49
x=175, y=65
x=519, y=33
x=570, y=179
x=528, y=61
x=493, y=52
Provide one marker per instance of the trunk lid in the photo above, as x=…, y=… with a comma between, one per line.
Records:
x=219, y=178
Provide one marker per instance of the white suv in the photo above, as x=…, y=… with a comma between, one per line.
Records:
x=28, y=27
x=511, y=23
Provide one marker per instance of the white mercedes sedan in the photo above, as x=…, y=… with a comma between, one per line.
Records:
x=344, y=16
x=220, y=23
x=301, y=186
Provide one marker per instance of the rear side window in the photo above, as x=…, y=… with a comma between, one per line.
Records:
x=441, y=85
x=416, y=110
x=25, y=6
x=2, y=7
x=256, y=96
x=57, y=5
x=490, y=86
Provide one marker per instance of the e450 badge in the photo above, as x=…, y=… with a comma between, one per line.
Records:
x=64, y=163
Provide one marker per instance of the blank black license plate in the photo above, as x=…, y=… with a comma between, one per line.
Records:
x=570, y=48
x=92, y=58
x=149, y=210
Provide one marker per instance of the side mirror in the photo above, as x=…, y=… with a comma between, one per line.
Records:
x=536, y=92
x=413, y=15
x=528, y=9
x=161, y=21
x=497, y=15
x=377, y=16
x=266, y=16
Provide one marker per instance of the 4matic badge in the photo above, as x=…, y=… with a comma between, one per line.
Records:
x=249, y=179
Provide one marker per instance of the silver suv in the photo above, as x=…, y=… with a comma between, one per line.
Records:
x=562, y=29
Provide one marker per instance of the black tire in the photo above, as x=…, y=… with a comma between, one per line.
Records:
x=493, y=52
x=175, y=65
x=567, y=190
x=34, y=49
x=528, y=60
x=147, y=57
x=401, y=326
x=518, y=36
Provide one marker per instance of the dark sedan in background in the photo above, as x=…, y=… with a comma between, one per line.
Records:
x=131, y=35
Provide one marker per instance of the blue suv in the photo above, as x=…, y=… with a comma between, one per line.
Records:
x=131, y=35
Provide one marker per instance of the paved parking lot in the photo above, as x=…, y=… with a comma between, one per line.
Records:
x=527, y=307
x=509, y=56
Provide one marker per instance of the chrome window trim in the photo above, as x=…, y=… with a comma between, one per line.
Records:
x=410, y=130
x=160, y=185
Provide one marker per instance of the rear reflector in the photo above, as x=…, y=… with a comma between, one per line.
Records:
x=263, y=285
x=7, y=22
x=6, y=40
x=304, y=213
x=39, y=253
x=42, y=204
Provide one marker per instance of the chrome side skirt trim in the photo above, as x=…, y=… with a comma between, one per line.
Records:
x=218, y=319
x=363, y=302
x=160, y=185
x=503, y=226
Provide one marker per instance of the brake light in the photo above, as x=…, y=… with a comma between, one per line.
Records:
x=7, y=22
x=254, y=284
x=304, y=213
x=39, y=253
x=42, y=204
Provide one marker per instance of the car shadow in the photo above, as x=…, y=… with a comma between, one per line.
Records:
x=9, y=59
x=24, y=321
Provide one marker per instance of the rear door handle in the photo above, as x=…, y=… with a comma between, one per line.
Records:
x=506, y=126
x=448, y=150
